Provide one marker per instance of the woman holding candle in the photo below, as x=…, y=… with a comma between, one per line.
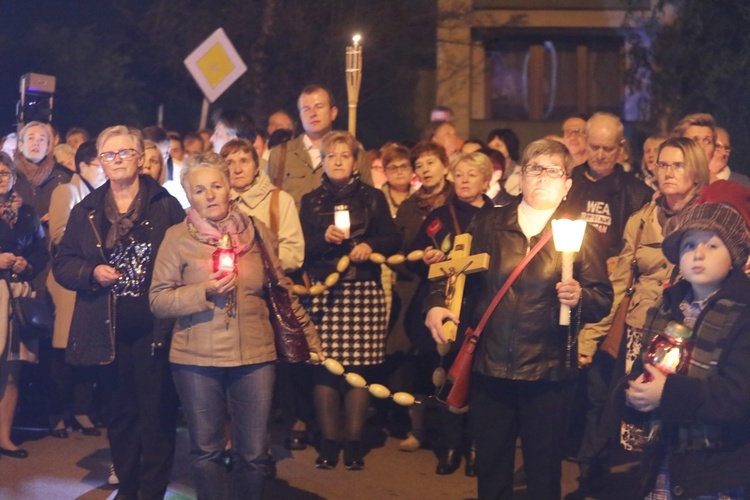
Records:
x=350, y=314
x=525, y=366
x=222, y=351
x=106, y=255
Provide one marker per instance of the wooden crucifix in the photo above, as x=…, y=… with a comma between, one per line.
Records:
x=460, y=263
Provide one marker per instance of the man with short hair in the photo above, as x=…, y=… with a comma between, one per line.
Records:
x=574, y=137
x=701, y=128
x=297, y=166
x=603, y=194
x=76, y=136
x=176, y=150
x=719, y=164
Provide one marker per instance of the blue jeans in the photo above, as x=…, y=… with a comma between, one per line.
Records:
x=207, y=393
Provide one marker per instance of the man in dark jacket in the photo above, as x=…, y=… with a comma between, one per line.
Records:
x=603, y=194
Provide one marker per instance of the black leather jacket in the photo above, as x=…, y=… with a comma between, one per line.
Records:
x=522, y=340
x=370, y=220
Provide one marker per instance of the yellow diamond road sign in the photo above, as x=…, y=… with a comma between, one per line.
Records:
x=215, y=65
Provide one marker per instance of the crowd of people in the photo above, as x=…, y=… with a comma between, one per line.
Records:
x=120, y=234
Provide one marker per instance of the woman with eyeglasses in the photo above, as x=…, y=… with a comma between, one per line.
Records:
x=107, y=256
x=681, y=172
x=524, y=366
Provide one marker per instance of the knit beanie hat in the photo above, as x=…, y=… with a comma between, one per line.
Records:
x=720, y=218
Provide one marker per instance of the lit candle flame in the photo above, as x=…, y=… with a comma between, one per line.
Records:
x=356, y=39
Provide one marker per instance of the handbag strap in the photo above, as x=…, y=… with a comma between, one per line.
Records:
x=506, y=286
x=636, y=243
x=265, y=257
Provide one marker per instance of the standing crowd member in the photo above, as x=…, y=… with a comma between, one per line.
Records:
x=574, y=137
x=23, y=254
x=222, y=352
x=699, y=412
x=506, y=141
x=107, y=255
x=524, y=365
x=648, y=163
x=719, y=164
x=436, y=236
x=351, y=315
x=75, y=384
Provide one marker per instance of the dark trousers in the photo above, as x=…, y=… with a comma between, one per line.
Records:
x=503, y=410
x=596, y=436
x=142, y=426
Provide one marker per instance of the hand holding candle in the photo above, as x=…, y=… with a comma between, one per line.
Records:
x=568, y=236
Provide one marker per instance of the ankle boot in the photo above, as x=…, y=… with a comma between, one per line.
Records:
x=470, y=469
x=329, y=455
x=353, y=456
x=448, y=463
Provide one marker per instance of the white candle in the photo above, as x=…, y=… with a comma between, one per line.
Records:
x=341, y=219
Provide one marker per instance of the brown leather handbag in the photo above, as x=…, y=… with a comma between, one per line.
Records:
x=289, y=332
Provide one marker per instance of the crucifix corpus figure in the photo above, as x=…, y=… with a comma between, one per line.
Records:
x=460, y=263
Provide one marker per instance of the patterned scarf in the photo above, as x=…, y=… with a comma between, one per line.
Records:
x=437, y=199
x=10, y=207
x=236, y=223
x=35, y=173
x=121, y=223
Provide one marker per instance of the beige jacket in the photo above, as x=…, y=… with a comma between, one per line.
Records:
x=203, y=334
x=654, y=271
x=256, y=201
x=64, y=198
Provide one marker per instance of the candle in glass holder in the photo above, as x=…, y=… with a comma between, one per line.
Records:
x=341, y=219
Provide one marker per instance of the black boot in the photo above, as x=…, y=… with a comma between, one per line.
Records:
x=329, y=455
x=353, y=456
x=448, y=463
x=470, y=469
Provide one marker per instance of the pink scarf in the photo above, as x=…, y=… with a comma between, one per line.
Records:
x=236, y=223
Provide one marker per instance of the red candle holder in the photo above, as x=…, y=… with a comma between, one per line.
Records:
x=224, y=258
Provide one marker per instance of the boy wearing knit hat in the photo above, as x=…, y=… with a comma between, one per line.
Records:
x=700, y=416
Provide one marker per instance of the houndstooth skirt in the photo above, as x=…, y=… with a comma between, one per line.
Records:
x=351, y=319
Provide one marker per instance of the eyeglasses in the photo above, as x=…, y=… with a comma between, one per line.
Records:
x=721, y=147
x=123, y=154
x=574, y=131
x=536, y=171
x=398, y=168
x=677, y=166
x=6, y=175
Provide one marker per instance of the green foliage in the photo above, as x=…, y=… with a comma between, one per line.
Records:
x=701, y=63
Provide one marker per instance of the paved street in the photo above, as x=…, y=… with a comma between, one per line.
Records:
x=77, y=468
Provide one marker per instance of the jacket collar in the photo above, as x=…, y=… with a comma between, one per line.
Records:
x=734, y=288
x=260, y=188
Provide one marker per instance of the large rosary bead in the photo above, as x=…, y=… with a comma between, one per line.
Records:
x=379, y=391
x=395, y=259
x=342, y=264
x=377, y=258
x=333, y=366
x=355, y=380
x=403, y=399
x=299, y=290
x=415, y=255
x=438, y=376
x=332, y=279
x=443, y=349
x=317, y=289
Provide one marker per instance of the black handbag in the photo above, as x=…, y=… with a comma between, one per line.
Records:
x=34, y=318
x=289, y=333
